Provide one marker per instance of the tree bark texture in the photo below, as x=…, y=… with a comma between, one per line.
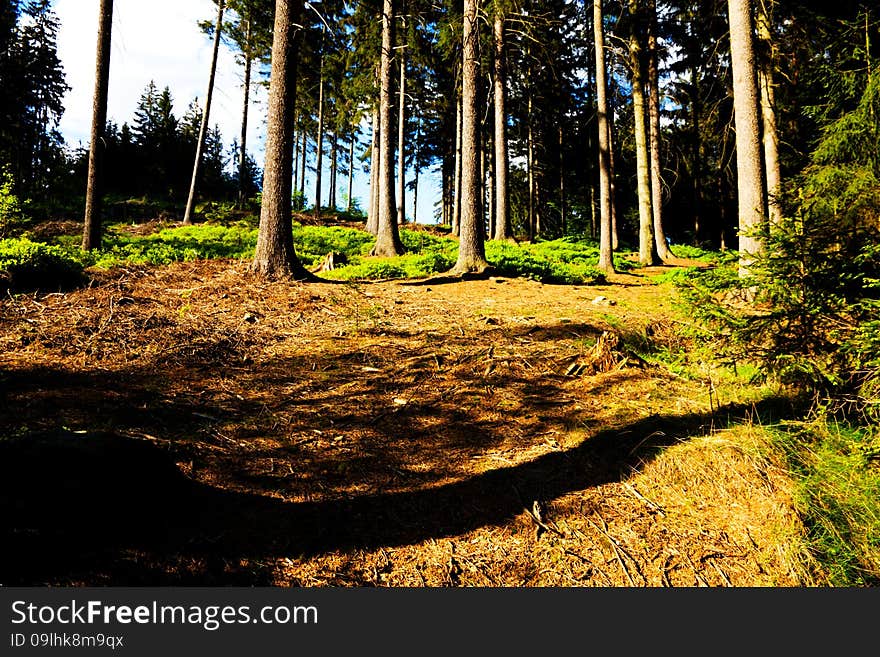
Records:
x=471, y=249
x=750, y=184
x=387, y=238
x=502, y=161
x=92, y=222
x=655, y=135
x=275, y=255
x=606, y=263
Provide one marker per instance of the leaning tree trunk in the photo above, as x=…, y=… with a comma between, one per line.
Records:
x=770, y=134
x=388, y=237
x=647, y=250
x=654, y=135
x=275, y=255
x=242, y=161
x=203, y=130
x=606, y=262
x=92, y=227
x=750, y=184
x=471, y=249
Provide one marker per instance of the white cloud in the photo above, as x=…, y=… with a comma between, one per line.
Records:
x=158, y=40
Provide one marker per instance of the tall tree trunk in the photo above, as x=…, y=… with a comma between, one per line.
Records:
x=502, y=161
x=562, y=199
x=697, y=157
x=94, y=188
x=296, y=157
x=242, y=159
x=373, y=213
x=456, y=198
x=471, y=245
x=654, y=134
x=388, y=238
x=490, y=184
x=203, y=130
x=606, y=262
x=750, y=184
x=319, y=157
x=530, y=170
x=770, y=134
x=401, y=153
x=415, y=212
x=302, y=170
x=615, y=235
x=275, y=255
x=350, y=204
x=334, y=163
x=647, y=250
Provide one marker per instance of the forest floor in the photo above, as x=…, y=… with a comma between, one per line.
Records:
x=190, y=424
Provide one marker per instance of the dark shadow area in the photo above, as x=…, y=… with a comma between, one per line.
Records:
x=100, y=508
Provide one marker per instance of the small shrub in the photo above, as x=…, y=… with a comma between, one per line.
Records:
x=12, y=209
x=26, y=265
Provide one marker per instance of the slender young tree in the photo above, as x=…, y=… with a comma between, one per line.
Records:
x=606, y=262
x=750, y=183
x=319, y=158
x=471, y=249
x=243, y=161
x=275, y=254
x=203, y=132
x=388, y=237
x=92, y=228
x=373, y=213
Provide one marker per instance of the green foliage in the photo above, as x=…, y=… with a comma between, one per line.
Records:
x=808, y=309
x=314, y=242
x=837, y=496
x=12, y=213
x=185, y=243
x=26, y=265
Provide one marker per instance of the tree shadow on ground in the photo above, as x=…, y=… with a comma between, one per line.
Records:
x=104, y=508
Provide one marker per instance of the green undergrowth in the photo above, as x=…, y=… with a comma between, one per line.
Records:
x=836, y=469
x=562, y=261
x=26, y=265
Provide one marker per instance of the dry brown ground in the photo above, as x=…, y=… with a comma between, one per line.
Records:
x=192, y=425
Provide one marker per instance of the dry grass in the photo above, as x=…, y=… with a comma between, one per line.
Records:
x=384, y=434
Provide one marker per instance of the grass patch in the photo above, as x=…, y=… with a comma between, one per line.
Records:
x=837, y=472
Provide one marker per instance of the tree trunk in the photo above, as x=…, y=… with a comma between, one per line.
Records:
x=770, y=134
x=203, y=130
x=471, y=249
x=388, y=238
x=456, y=197
x=92, y=227
x=615, y=236
x=319, y=142
x=654, y=125
x=242, y=160
x=606, y=263
x=530, y=167
x=334, y=162
x=302, y=170
x=350, y=204
x=373, y=213
x=647, y=250
x=502, y=161
x=750, y=184
x=275, y=255
x=401, y=154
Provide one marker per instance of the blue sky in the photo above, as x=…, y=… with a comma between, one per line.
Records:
x=160, y=40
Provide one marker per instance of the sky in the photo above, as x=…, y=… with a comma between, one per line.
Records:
x=160, y=40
